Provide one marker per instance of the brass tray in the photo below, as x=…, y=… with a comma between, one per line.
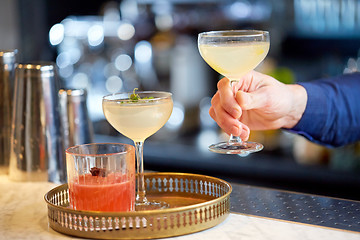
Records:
x=197, y=202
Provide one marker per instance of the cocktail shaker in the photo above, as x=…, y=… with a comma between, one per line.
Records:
x=36, y=151
x=7, y=65
x=76, y=127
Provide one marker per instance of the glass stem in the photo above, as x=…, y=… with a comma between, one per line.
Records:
x=140, y=183
x=234, y=139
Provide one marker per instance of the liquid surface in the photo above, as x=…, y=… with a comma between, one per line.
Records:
x=234, y=60
x=94, y=193
x=140, y=120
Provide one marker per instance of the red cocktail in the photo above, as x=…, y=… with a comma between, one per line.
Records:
x=115, y=192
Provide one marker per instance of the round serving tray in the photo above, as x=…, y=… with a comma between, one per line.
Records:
x=197, y=202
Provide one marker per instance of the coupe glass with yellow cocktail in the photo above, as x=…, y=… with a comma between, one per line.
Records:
x=233, y=53
x=139, y=115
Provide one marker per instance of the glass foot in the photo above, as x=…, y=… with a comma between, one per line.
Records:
x=150, y=205
x=236, y=147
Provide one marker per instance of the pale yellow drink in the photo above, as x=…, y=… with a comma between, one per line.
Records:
x=233, y=60
x=138, y=120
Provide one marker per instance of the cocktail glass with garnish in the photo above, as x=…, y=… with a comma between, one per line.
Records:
x=233, y=53
x=139, y=115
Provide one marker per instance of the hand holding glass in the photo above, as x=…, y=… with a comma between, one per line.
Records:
x=233, y=53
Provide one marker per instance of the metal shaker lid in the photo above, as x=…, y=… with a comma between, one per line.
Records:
x=72, y=93
x=7, y=56
x=8, y=53
x=37, y=68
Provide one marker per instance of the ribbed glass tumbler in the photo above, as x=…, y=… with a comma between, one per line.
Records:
x=101, y=177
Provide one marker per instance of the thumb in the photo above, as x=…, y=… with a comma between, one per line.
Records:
x=251, y=100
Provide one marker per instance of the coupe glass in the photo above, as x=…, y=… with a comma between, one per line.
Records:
x=233, y=53
x=139, y=119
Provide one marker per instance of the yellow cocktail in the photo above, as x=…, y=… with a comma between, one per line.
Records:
x=233, y=60
x=138, y=120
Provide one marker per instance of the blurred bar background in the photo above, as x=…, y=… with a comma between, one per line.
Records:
x=111, y=46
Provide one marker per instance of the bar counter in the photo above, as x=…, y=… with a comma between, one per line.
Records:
x=256, y=213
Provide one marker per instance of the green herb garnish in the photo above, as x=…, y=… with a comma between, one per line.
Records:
x=134, y=97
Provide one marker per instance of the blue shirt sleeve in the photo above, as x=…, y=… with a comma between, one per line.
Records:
x=332, y=114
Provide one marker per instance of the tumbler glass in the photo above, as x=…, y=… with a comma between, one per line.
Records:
x=101, y=177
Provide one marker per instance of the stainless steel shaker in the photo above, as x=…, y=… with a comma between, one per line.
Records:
x=36, y=152
x=76, y=127
x=7, y=65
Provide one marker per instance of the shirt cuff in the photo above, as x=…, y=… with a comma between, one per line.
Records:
x=313, y=116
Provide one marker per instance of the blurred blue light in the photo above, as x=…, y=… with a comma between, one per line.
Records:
x=177, y=117
x=69, y=57
x=240, y=9
x=205, y=119
x=63, y=60
x=126, y=31
x=114, y=84
x=56, y=34
x=206, y=138
x=95, y=35
x=67, y=71
x=81, y=80
x=143, y=52
x=164, y=22
x=123, y=62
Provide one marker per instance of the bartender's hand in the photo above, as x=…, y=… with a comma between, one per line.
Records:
x=257, y=102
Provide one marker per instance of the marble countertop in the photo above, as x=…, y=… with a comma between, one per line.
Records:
x=23, y=215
